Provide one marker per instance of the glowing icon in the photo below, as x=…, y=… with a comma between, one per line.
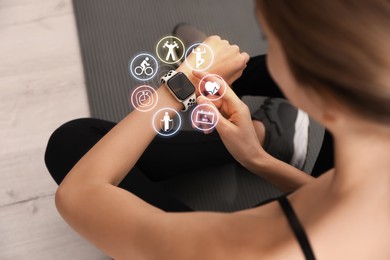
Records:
x=203, y=59
x=143, y=67
x=168, y=123
x=144, y=98
x=205, y=117
x=171, y=52
x=170, y=49
x=198, y=56
x=212, y=87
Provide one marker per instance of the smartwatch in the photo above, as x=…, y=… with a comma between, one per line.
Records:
x=180, y=87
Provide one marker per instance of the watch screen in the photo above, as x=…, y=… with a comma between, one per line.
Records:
x=181, y=86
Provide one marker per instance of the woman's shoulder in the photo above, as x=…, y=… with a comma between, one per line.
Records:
x=342, y=224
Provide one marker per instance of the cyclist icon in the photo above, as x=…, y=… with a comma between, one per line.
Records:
x=144, y=67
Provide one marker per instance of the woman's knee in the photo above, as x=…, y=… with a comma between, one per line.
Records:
x=69, y=143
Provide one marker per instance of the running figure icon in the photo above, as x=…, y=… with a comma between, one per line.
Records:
x=171, y=53
x=198, y=58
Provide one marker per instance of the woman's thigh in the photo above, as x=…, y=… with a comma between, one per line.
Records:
x=188, y=151
x=70, y=142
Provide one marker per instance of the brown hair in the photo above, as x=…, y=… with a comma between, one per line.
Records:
x=340, y=46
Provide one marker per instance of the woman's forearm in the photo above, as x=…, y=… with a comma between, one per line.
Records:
x=284, y=176
x=117, y=152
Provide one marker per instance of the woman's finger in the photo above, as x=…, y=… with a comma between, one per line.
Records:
x=223, y=123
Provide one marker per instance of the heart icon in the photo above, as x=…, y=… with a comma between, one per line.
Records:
x=212, y=87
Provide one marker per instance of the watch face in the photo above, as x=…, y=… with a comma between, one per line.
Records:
x=181, y=86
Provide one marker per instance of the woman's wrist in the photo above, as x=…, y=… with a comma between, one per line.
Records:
x=284, y=176
x=256, y=161
x=188, y=72
x=166, y=99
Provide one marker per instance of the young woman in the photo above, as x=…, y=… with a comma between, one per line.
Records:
x=331, y=59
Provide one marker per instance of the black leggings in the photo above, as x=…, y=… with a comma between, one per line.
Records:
x=73, y=139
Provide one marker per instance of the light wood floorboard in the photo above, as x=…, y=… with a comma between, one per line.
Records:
x=41, y=87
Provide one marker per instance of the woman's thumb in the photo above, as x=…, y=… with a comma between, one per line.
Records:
x=201, y=100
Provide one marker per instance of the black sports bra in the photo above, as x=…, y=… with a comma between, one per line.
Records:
x=297, y=228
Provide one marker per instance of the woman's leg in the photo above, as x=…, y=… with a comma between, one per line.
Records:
x=73, y=139
x=188, y=151
x=256, y=81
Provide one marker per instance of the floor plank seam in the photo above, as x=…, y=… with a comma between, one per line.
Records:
x=33, y=21
x=27, y=200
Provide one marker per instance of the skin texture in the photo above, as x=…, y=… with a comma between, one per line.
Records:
x=345, y=212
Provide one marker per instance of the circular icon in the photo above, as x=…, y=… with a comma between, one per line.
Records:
x=166, y=122
x=212, y=87
x=144, y=98
x=204, y=117
x=203, y=59
x=143, y=66
x=170, y=49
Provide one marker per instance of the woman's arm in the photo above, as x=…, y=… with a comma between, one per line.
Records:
x=284, y=176
x=237, y=132
x=115, y=220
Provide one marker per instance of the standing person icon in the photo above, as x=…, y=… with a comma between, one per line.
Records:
x=171, y=52
x=198, y=59
x=167, y=126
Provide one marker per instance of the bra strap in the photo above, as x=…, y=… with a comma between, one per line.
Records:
x=297, y=228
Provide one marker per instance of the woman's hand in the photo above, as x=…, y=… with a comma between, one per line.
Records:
x=238, y=134
x=235, y=126
x=228, y=62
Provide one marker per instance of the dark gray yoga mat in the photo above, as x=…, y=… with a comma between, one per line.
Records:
x=112, y=32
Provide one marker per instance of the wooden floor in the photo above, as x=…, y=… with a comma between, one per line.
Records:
x=41, y=86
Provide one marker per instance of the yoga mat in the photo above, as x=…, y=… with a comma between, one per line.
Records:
x=112, y=32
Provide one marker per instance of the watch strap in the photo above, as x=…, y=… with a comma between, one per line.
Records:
x=187, y=103
x=164, y=79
